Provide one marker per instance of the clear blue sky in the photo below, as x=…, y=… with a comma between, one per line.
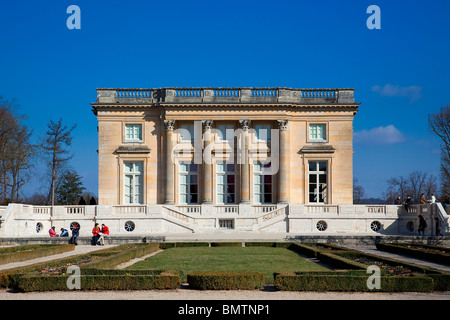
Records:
x=400, y=73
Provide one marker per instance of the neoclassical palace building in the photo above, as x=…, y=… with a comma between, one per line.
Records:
x=176, y=161
x=225, y=146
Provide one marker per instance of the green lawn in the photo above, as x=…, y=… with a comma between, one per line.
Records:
x=196, y=259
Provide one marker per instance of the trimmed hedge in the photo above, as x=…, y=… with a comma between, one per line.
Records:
x=107, y=258
x=124, y=281
x=226, y=280
x=350, y=282
x=23, y=253
x=168, y=245
x=226, y=244
x=438, y=257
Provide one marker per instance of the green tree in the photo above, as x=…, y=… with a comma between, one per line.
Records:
x=69, y=189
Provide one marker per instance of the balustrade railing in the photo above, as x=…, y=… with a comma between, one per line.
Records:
x=130, y=209
x=321, y=209
x=376, y=209
x=263, y=208
x=75, y=210
x=226, y=209
x=190, y=209
x=224, y=95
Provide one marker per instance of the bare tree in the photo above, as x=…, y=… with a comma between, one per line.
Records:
x=20, y=160
x=17, y=153
x=439, y=124
x=416, y=182
x=358, y=192
x=414, y=185
x=58, y=136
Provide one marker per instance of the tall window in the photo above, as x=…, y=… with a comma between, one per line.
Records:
x=187, y=132
x=188, y=176
x=262, y=183
x=226, y=132
x=318, y=182
x=226, y=190
x=133, y=178
x=133, y=132
x=262, y=132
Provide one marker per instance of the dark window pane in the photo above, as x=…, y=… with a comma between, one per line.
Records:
x=268, y=188
x=267, y=198
x=322, y=166
x=230, y=188
x=312, y=178
x=312, y=166
x=194, y=179
x=267, y=179
x=322, y=178
x=312, y=197
x=230, y=178
x=193, y=188
x=194, y=198
x=230, y=167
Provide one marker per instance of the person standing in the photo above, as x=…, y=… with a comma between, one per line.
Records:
x=422, y=225
x=407, y=203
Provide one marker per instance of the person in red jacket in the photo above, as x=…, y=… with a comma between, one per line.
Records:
x=95, y=234
x=104, y=232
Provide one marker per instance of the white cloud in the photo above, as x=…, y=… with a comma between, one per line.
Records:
x=379, y=136
x=413, y=92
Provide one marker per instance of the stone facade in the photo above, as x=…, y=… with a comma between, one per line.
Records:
x=287, y=113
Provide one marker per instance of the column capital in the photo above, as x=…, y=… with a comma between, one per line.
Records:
x=245, y=124
x=169, y=124
x=207, y=124
x=282, y=124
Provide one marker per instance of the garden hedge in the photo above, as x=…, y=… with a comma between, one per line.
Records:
x=418, y=251
x=128, y=280
x=226, y=280
x=350, y=282
x=27, y=252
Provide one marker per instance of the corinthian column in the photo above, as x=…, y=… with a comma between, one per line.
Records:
x=283, y=171
x=245, y=170
x=169, y=177
x=207, y=165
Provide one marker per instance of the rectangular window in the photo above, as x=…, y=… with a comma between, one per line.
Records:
x=317, y=172
x=187, y=132
x=317, y=132
x=225, y=183
x=262, y=132
x=262, y=183
x=133, y=182
x=133, y=132
x=188, y=177
x=226, y=132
